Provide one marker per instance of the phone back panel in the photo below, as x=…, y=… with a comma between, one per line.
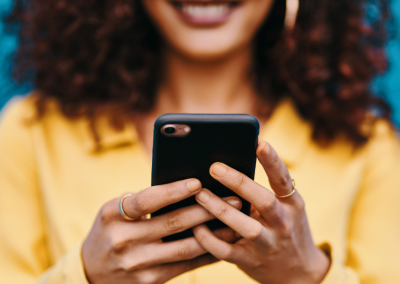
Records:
x=227, y=138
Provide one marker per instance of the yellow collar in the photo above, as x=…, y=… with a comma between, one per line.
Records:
x=286, y=131
x=109, y=137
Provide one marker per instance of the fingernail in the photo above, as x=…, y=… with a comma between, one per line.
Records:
x=266, y=149
x=203, y=196
x=193, y=185
x=234, y=202
x=219, y=170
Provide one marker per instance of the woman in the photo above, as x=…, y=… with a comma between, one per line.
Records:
x=105, y=70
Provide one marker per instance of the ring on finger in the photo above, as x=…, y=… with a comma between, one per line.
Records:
x=121, y=210
x=291, y=193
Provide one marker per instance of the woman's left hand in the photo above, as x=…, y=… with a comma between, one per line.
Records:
x=277, y=246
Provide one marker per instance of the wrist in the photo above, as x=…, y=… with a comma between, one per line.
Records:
x=319, y=266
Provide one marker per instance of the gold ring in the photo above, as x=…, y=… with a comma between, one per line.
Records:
x=121, y=209
x=291, y=193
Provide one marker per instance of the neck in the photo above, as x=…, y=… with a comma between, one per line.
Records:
x=201, y=87
x=206, y=87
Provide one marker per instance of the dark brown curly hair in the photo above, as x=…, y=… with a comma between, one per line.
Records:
x=100, y=56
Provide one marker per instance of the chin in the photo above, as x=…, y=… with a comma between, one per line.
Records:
x=209, y=47
x=205, y=55
x=207, y=30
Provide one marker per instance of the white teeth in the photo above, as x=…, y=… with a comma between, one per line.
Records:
x=208, y=11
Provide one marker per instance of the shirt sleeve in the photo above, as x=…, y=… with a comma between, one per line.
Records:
x=374, y=225
x=24, y=256
x=67, y=270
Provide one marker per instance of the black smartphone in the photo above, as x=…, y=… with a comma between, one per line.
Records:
x=186, y=145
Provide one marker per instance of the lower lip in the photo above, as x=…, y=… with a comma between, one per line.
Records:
x=204, y=21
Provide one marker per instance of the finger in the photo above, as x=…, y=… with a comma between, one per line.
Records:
x=175, y=221
x=246, y=226
x=227, y=234
x=277, y=172
x=218, y=248
x=156, y=254
x=254, y=213
x=168, y=271
x=260, y=197
x=174, y=251
x=156, y=197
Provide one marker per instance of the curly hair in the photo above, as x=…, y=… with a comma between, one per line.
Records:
x=97, y=57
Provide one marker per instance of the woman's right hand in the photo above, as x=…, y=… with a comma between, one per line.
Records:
x=121, y=251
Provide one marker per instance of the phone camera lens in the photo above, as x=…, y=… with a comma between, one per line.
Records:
x=170, y=130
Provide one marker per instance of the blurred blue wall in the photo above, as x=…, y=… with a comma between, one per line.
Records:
x=389, y=84
x=8, y=43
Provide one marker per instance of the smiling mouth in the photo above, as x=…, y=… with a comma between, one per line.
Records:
x=205, y=12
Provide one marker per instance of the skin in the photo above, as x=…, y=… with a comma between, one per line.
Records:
x=208, y=44
x=277, y=246
x=121, y=251
x=206, y=71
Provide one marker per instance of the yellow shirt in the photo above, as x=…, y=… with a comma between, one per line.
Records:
x=53, y=182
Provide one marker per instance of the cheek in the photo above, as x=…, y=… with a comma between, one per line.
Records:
x=211, y=42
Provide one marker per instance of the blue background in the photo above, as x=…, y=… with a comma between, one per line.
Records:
x=388, y=84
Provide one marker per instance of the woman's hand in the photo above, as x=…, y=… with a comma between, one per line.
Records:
x=121, y=251
x=277, y=246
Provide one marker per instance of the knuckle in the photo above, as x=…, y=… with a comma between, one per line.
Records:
x=284, y=179
x=226, y=254
x=141, y=204
x=185, y=252
x=221, y=212
x=269, y=205
x=280, y=218
x=257, y=265
x=107, y=212
x=254, y=233
x=126, y=264
x=299, y=204
x=201, y=237
x=237, y=181
x=286, y=228
x=118, y=245
x=149, y=277
x=175, y=223
x=226, y=235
